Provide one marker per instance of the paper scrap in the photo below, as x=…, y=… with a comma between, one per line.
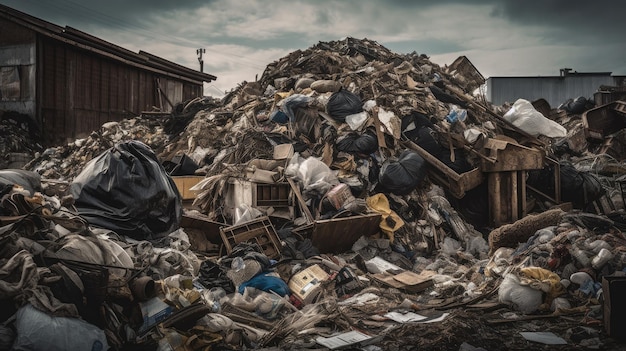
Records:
x=547, y=338
x=344, y=339
x=411, y=317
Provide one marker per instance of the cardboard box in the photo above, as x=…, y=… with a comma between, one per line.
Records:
x=339, y=195
x=184, y=183
x=306, y=284
x=153, y=311
x=614, y=290
x=283, y=152
x=389, y=274
x=408, y=281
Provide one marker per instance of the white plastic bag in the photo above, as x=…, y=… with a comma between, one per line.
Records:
x=524, y=116
x=390, y=121
x=356, y=121
x=245, y=213
x=316, y=175
x=522, y=297
x=37, y=330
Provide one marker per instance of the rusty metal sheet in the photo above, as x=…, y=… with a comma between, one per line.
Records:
x=339, y=234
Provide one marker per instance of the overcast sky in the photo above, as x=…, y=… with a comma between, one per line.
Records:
x=501, y=38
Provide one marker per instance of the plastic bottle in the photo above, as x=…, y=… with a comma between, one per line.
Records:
x=172, y=341
x=237, y=264
x=456, y=114
x=580, y=278
x=215, y=297
x=179, y=281
x=601, y=258
x=598, y=245
x=580, y=256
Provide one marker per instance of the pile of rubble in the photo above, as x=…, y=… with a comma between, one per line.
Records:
x=66, y=161
x=19, y=139
x=351, y=198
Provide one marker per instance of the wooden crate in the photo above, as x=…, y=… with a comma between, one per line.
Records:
x=259, y=231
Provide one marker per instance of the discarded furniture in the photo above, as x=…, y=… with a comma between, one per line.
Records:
x=259, y=231
x=258, y=194
x=277, y=194
x=606, y=94
x=604, y=120
x=506, y=178
x=556, y=197
x=445, y=176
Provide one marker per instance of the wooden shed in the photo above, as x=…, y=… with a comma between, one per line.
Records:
x=70, y=82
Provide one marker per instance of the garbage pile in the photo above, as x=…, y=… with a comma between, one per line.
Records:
x=66, y=161
x=351, y=198
x=19, y=139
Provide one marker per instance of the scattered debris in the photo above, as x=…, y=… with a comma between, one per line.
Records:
x=351, y=197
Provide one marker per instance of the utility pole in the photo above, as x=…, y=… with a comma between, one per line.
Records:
x=200, y=52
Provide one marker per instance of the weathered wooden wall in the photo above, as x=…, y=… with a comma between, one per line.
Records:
x=70, y=90
x=81, y=91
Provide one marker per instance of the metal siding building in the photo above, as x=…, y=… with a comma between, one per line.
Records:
x=71, y=83
x=554, y=89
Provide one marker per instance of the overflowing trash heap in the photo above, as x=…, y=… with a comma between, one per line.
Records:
x=351, y=198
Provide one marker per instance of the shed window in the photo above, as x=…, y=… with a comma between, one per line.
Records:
x=9, y=83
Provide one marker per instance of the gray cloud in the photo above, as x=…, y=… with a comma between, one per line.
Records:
x=108, y=14
x=509, y=37
x=574, y=20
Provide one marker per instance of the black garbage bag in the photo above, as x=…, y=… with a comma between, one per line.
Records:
x=402, y=176
x=415, y=121
x=359, y=144
x=579, y=188
x=343, y=103
x=445, y=97
x=474, y=207
x=30, y=181
x=180, y=165
x=126, y=190
x=577, y=106
x=211, y=275
x=418, y=128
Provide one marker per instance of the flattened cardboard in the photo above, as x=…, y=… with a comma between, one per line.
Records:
x=184, y=183
x=406, y=280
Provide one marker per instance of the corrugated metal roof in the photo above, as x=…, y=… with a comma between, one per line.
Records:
x=570, y=74
x=99, y=46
